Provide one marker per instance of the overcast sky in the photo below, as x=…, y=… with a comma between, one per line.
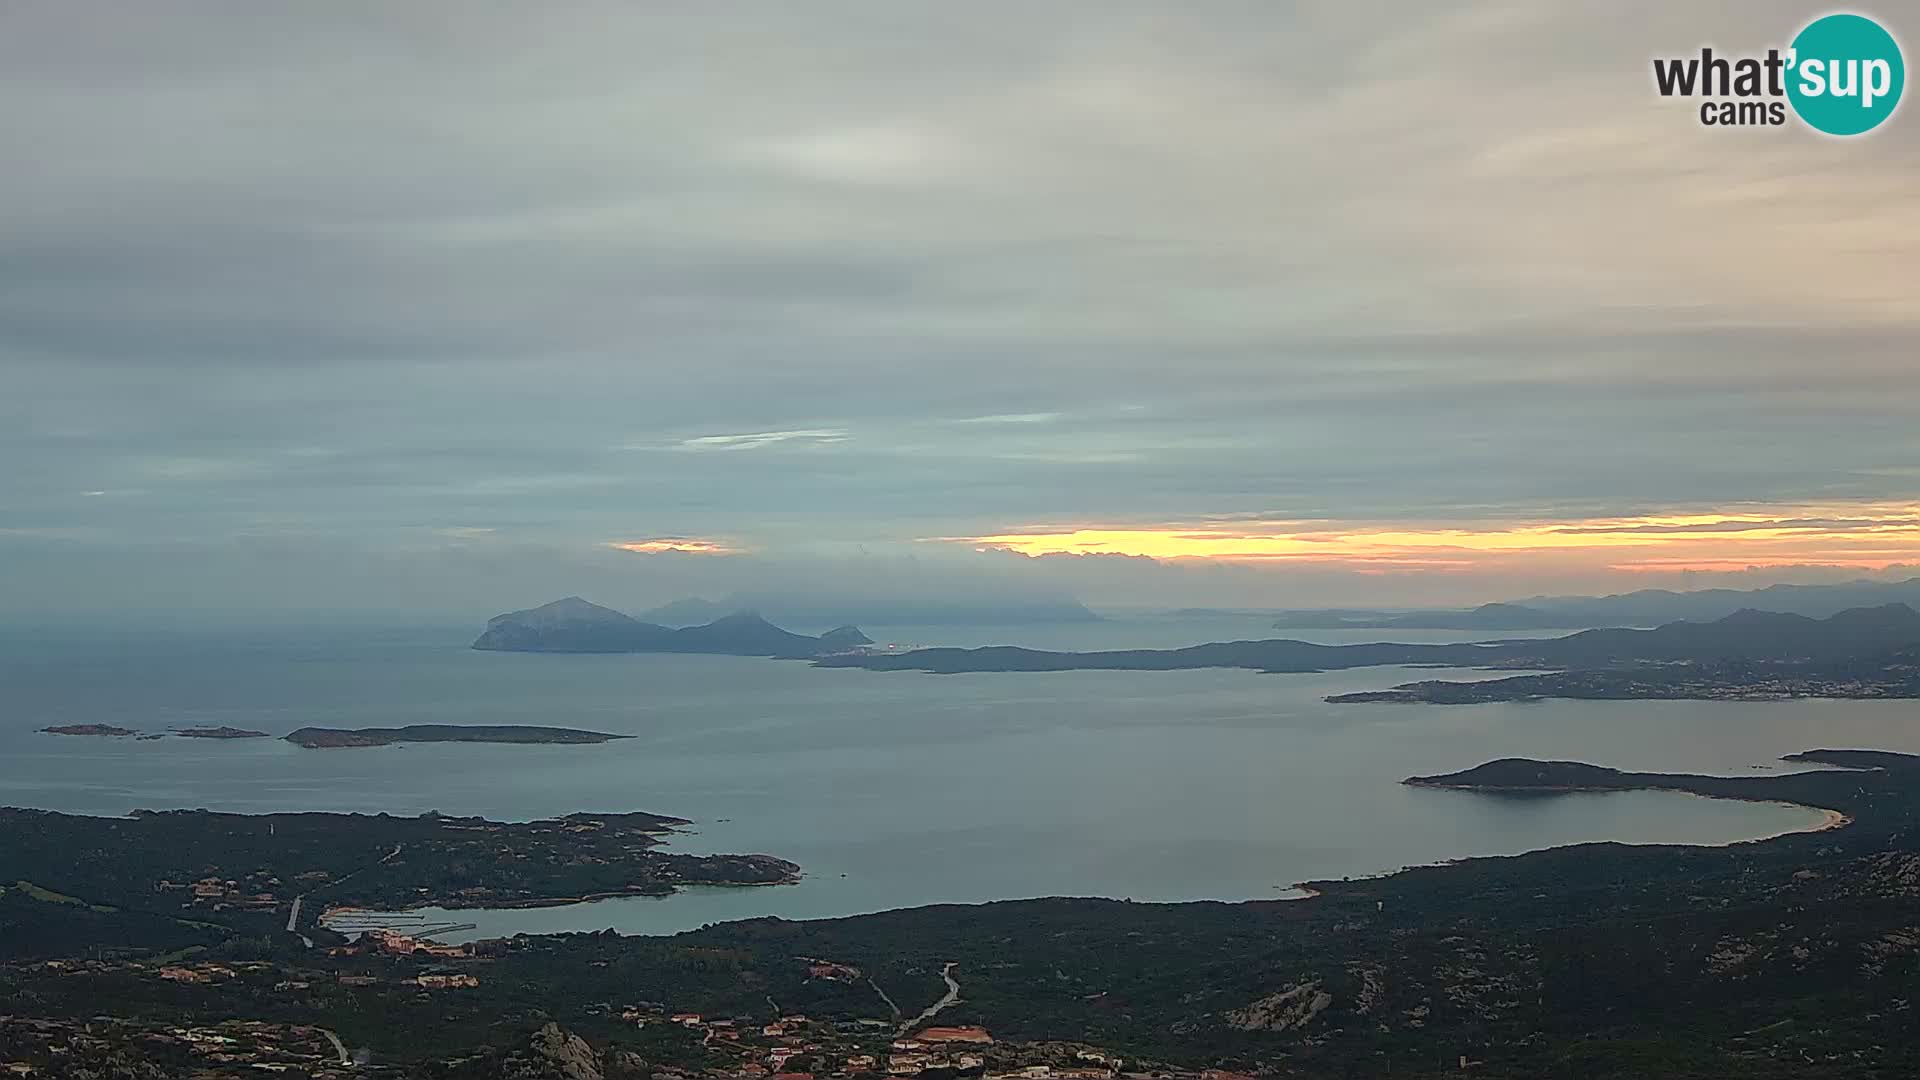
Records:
x=341, y=304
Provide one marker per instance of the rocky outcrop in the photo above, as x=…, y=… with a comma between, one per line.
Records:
x=1288, y=1010
x=557, y=1054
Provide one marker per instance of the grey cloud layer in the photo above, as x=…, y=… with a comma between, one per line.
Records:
x=844, y=273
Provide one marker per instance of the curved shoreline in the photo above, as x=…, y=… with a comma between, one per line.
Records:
x=1299, y=891
x=1830, y=818
x=554, y=901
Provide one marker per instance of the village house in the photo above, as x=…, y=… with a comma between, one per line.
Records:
x=828, y=970
x=402, y=945
x=210, y=888
x=446, y=982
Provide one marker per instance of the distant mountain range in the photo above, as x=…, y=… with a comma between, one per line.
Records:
x=574, y=625
x=1652, y=606
x=1491, y=617
x=1647, y=607
x=929, y=610
x=1744, y=635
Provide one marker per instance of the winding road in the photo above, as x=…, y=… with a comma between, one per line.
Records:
x=338, y=1046
x=933, y=1010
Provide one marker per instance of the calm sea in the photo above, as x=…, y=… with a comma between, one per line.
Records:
x=890, y=790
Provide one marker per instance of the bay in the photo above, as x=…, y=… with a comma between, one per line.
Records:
x=895, y=789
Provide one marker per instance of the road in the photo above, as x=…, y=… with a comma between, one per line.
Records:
x=895, y=1009
x=293, y=916
x=933, y=1010
x=338, y=1046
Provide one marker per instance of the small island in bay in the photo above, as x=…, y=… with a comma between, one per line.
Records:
x=89, y=729
x=221, y=732
x=321, y=738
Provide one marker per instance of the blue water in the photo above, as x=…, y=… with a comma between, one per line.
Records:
x=889, y=789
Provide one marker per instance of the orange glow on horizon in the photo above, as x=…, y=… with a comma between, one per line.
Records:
x=683, y=545
x=1862, y=536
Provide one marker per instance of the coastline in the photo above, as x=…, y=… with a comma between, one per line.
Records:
x=554, y=901
x=1830, y=818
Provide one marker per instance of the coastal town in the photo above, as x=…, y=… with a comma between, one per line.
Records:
x=683, y=1044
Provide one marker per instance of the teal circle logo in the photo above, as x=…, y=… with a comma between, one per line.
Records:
x=1845, y=75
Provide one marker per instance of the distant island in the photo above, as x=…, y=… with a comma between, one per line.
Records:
x=1484, y=617
x=923, y=608
x=1744, y=635
x=88, y=729
x=222, y=732
x=1647, y=607
x=325, y=738
x=1862, y=652
x=573, y=625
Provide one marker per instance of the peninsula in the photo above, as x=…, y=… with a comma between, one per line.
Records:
x=1892, y=675
x=1814, y=789
x=199, y=876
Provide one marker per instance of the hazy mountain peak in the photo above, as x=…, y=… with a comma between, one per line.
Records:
x=690, y=611
x=576, y=625
x=570, y=609
x=842, y=638
x=1757, y=617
